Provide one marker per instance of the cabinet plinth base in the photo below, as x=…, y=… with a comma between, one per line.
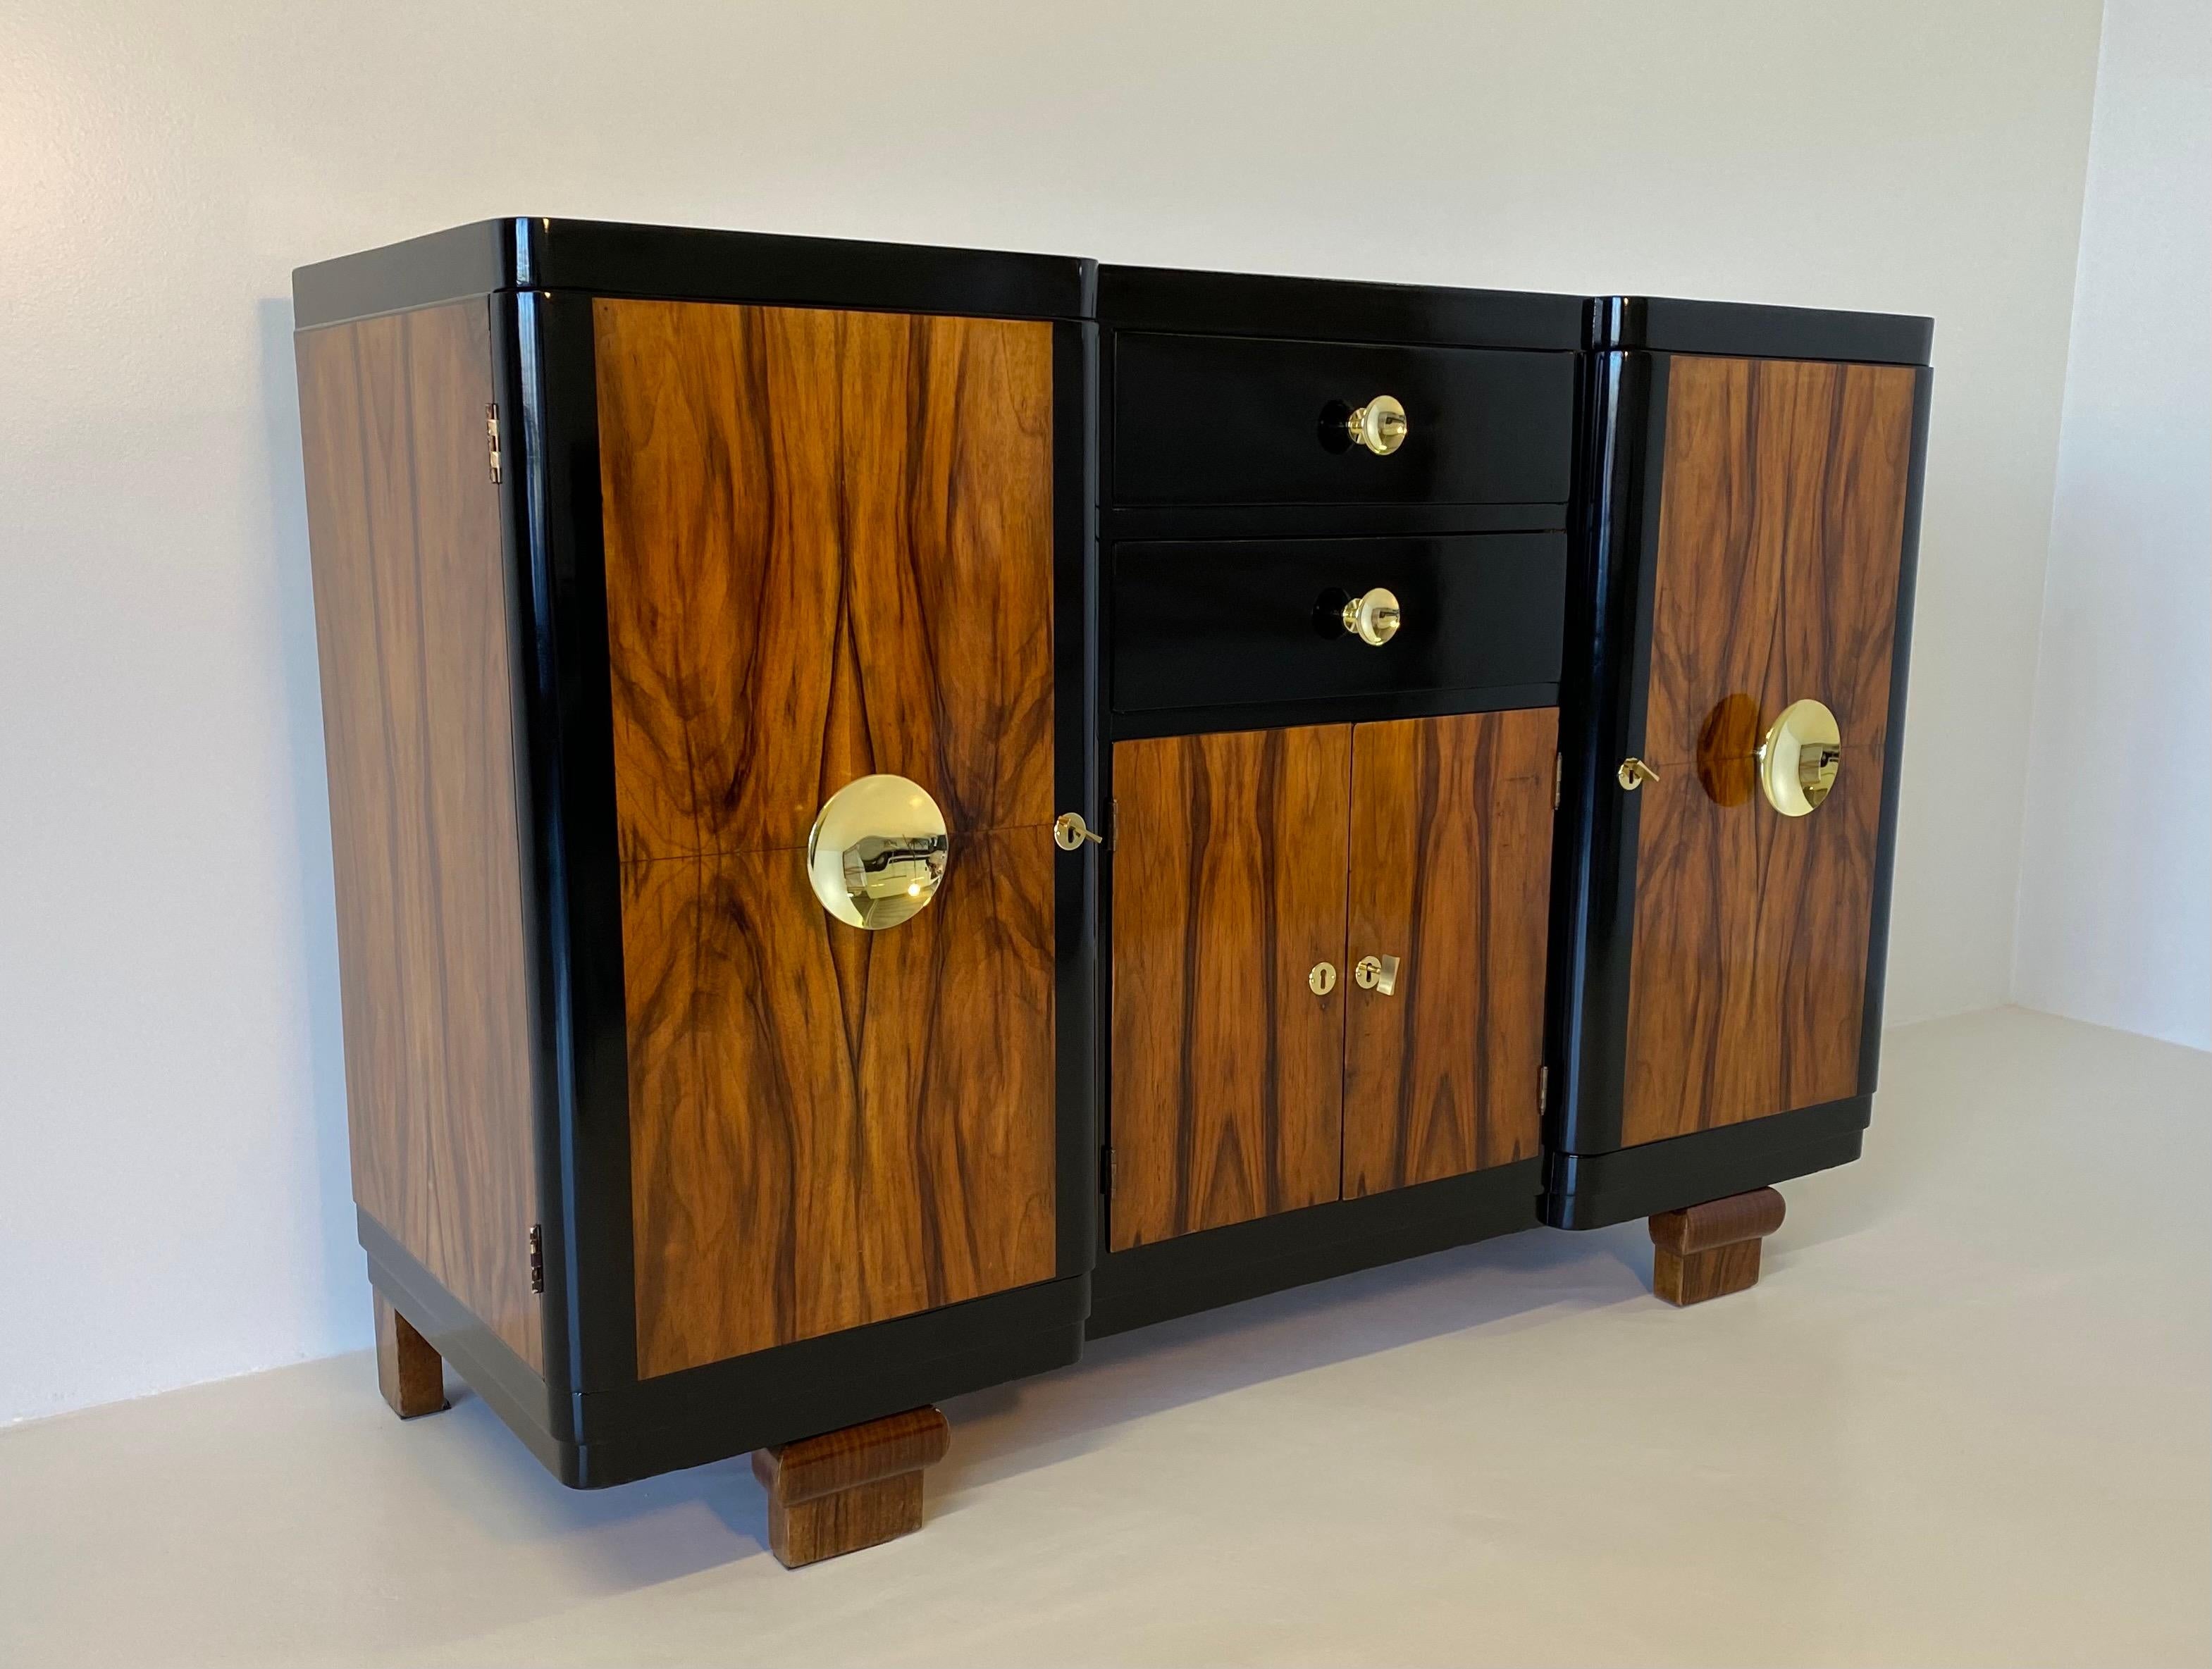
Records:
x=1711, y=1250
x=848, y=1489
x=411, y=1373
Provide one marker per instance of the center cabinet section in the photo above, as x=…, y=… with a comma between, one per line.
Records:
x=829, y=541
x=1328, y=963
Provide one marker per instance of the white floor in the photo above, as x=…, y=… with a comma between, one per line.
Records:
x=1966, y=1417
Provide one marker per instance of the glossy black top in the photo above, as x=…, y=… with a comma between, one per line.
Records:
x=609, y=258
x=1751, y=331
x=1336, y=310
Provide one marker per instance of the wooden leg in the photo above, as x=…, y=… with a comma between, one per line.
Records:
x=412, y=1375
x=1711, y=1250
x=848, y=1489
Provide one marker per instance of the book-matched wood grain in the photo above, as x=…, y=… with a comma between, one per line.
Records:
x=1451, y=863
x=829, y=553
x=411, y=601
x=1228, y=885
x=830, y=1127
x=1780, y=527
x=1781, y=523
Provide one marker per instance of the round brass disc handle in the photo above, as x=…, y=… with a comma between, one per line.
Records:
x=1379, y=426
x=1377, y=973
x=1069, y=832
x=1634, y=774
x=877, y=851
x=1799, y=759
x=1373, y=617
x=1322, y=979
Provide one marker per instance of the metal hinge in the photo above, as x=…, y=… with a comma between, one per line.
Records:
x=1108, y=1169
x=1559, y=777
x=491, y=435
x=1113, y=824
x=537, y=1257
x=1543, y=1091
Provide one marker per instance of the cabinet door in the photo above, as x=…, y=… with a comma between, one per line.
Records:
x=1229, y=869
x=1781, y=531
x=829, y=554
x=1451, y=864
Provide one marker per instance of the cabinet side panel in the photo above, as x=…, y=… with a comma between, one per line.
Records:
x=1228, y=1068
x=411, y=618
x=1780, y=538
x=1451, y=864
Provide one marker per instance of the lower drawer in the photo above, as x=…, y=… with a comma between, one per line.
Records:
x=1230, y=622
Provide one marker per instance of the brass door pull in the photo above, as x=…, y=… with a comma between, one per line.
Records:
x=1374, y=616
x=1634, y=774
x=1377, y=973
x=1799, y=759
x=876, y=852
x=1069, y=832
x=1379, y=426
x=1322, y=979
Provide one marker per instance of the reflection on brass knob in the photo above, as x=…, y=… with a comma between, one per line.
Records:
x=1322, y=978
x=1634, y=774
x=1798, y=760
x=1069, y=832
x=1377, y=973
x=1373, y=618
x=1380, y=425
x=877, y=851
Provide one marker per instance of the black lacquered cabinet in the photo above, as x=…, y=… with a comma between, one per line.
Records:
x=898, y=809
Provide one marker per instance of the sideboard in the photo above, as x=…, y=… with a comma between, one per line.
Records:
x=896, y=809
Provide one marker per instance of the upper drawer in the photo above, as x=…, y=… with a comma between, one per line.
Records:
x=1246, y=420
x=1228, y=622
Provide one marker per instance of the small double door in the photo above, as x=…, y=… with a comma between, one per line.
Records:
x=1328, y=963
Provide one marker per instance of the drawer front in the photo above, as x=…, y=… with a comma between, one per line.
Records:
x=1227, y=623
x=1239, y=420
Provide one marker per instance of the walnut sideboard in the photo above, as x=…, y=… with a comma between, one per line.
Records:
x=896, y=808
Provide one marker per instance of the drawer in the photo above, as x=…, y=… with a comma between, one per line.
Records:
x=1228, y=622
x=1243, y=420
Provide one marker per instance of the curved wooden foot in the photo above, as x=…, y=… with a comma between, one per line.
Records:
x=848, y=1489
x=411, y=1374
x=1711, y=1250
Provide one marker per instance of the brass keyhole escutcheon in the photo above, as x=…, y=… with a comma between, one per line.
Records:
x=1634, y=774
x=1323, y=980
x=1377, y=973
x=1379, y=426
x=1374, y=616
x=1069, y=832
x=1799, y=759
x=876, y=852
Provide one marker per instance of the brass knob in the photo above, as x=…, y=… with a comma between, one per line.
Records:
x=1322, y=978
x=1373, y=617
x=1379, y=426
x=1799, y=759
x=1634, y=774
x=1377, y=973
x=877, y=851
x=1069, y=832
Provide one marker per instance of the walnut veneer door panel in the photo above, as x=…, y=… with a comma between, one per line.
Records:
x=832, y=1126
x=426, y=836
x=1452, y=866
x=829, y=550
x=829, y=554
x=1229, y=869
x=1781, y=534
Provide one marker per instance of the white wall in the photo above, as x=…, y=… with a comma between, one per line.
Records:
x=2116, y=871
x=172, y=1199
